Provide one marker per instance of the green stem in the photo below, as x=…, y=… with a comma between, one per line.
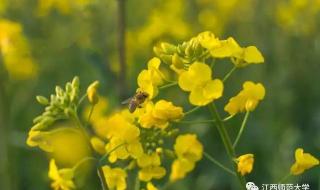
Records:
x=192, y=110
x=168, y=85
x=284, y=178
x=102, y=178
x=90, y=114
x=213, y=62
x=196, y=122
x=112, y=150
x=82, y=99
x=229, y=73
x=228, y=118
x=214, y=161
x=121, y=5
x=83, y=161
x=243, y=124
x=226, y=141
x=137, y=182
x=80, y=126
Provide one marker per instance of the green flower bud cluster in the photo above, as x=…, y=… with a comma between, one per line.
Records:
x=62, y=105
x=181, y=55
x=153, y=138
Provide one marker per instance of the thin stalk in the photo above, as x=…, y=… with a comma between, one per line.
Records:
x=168, y=85
x=121, y=47
x=214, y=161
x=102, y=178
x=84, y=160
x=90, y=114
x=82, y=99
x=213, y=62
x=192, y=110
x=196, y=122
x=228, y=118
x=284, y=178
x=80, y=126
x=243, y=124
x=5, y=174
x=112, y=150
x=226, y=141
x=137, y=182
x=229, y=74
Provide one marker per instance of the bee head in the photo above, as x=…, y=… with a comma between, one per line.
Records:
x=144, y=94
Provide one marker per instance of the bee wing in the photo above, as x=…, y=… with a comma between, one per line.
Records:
x=126, y=101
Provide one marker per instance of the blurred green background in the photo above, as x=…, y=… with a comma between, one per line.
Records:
x=47, y=42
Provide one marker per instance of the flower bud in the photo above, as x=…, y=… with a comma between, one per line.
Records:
x=157, y=50
x=166, y=58
x=92, y=92
x=168, y=48
x=177, y=62
x=98, y=145
x=42, y=100
x=59, y=91
x=75, y=82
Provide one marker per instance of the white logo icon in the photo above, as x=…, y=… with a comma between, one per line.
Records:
x=251, y=186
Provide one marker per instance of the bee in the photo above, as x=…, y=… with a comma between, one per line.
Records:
x=136, y=101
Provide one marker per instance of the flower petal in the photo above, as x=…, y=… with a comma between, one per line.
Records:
x=253, y=55
x=197, y=97
x=213, y=89
x=197, y=74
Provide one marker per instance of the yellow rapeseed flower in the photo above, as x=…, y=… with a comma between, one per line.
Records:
x=150, y=167
x=231, y=49
x=188, y=150
x=123, y=138
x=149, y=79
x=160, y=114
x=198, y=81
x=187, y=146
x=245, y=163
x=208, y=40
x=303, y=162
x=180, y=168
x=115, y=177
x=62, y=178
x=247, y=99
x=226, y=48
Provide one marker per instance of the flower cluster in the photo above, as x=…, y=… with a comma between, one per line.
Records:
x=149, y=79
x=62, y=105
x=189, y=151
x=247, y=100
x=143, y=140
